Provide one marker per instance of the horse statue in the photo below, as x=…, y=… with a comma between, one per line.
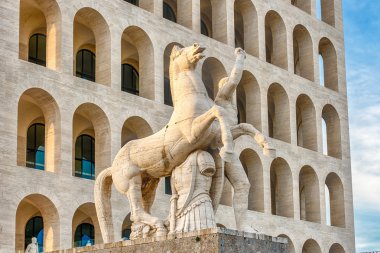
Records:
x=140, y=164
x=197, y=123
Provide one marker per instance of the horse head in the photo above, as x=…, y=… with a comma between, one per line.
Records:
x=182, y=59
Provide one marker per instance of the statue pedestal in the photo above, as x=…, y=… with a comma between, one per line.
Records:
x=208, y=240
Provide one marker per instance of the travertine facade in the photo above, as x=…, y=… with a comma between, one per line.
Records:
x=280, y=94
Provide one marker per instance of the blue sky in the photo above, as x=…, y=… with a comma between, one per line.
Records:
x=362, y=42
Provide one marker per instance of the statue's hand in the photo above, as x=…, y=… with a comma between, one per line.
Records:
x=239, y=52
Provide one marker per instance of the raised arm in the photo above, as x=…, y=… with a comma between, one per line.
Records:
x=226, y=91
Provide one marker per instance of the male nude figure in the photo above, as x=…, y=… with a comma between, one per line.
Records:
x=234, y=170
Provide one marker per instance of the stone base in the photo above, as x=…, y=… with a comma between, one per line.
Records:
x=208, y=240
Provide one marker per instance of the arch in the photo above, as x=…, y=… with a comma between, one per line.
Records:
x=304, y=5
x=281, y=183
x=135, y=127
x=37, y=205
x=126, y=227
x=336, y=192
x=275, y=40
x=248, y=100
x=278, y=113
x=91, y=120
x=303, y=53
x=42, y=17
x=38, y=106
x=330, y=64
x=328, y=11
x=336, y=248
x=86, y=214
x=306, y=123
x=331, y=118
x=137, y=50
x=254, y=170
x=91, y=32
x=291, y=248
x=309, y=195
x=167, y=92
x=206, y=17
x=169, y=10
x=246, y=27
x=212, y=72
x=311, y=246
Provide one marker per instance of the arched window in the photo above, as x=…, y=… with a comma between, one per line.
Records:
x=169, y=13
x=85, y=65
x=134, y=2
x=85, y=157
x=129, y=79
x=204, y=29
x=35, y=228
x=84, y=235
x=37, y=49
x=35, y=147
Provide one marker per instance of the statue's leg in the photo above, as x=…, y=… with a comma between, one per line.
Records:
x=138, y=213
x=204, y=121
x=239, y=180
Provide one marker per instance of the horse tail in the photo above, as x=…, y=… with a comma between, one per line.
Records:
x=102, y=192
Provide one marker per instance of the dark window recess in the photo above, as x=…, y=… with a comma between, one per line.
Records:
x=85, y=65
x=204, y=29
x=35, y=228
x=84, y=235
x=129, y=79
x=37, y=49
x=35, y=147
x=126, y=234
x=85, y=157
x=134, y=2
x=168, y=13
x=168, y=187
x=167, y=92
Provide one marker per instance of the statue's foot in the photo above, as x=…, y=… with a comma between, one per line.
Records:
x=226, y=155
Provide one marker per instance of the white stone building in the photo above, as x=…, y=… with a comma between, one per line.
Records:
x=79, y=78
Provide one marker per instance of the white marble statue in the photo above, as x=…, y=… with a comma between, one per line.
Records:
x=32, y=247
x=234, y=170
x=191, y=205
x=197, y=123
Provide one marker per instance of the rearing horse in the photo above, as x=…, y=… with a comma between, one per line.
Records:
x=140, y=164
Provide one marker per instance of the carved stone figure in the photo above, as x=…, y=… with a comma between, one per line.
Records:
x=191, y=205
x=140, y=163
x=234, y=170
x=32, y=247
x=197, y=123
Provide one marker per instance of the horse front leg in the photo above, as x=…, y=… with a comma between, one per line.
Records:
x=204, y=121
x=139, y=214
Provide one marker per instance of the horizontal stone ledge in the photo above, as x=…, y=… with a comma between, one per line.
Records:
x=208, y=240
